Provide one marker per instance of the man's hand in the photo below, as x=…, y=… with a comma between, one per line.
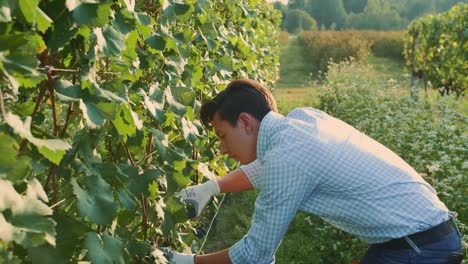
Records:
x=200, y=195
x=178, y=258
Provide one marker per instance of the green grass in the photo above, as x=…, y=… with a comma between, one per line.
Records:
x=293, y=69
x=289, y=98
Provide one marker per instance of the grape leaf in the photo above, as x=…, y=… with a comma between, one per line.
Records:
x=13, y=168
x=104, y=249
x=98, y=202
x=52, y=149
x=23, y=218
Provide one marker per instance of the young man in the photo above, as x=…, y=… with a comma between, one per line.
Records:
x=313, y=162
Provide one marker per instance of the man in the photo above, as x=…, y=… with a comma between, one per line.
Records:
x=313, y=162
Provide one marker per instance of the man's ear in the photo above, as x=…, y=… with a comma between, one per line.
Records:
x=247, y=121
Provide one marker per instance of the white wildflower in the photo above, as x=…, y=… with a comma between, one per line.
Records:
x=465, y=165
x=433, y=167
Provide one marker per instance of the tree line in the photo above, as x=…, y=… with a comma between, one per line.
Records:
x=301, y=15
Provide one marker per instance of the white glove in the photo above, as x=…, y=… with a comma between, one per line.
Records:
x=178, y=258
x=200, y=195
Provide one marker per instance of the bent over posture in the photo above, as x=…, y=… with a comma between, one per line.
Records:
x=313, y=162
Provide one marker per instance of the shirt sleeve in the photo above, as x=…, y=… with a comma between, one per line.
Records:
x=252, y=170
x=283, y=188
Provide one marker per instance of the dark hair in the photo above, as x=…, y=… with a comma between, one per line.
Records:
x=241, y=95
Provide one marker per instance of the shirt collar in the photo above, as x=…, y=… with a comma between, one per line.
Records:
x=265, y=132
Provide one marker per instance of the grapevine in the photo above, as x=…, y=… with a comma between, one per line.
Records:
x=99, y=127
x=435, y=50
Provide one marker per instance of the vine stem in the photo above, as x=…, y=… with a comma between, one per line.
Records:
x=149, y=151
x=39, y=98
x=53, y=175
x=36, y=108
x=54, y=182
x=2, y=106
x=53, y=167
x=129, y=155
x=109, y=148
x=67, y=120
x=195, y=157
x=144, y=218
x=54, y=110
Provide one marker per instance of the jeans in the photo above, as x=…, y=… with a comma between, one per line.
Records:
x=445, y=251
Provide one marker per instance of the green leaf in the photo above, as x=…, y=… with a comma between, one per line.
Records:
x=179, y=165
x=153, y=106
x=181, y=9
x=90, y=14
x=123, y=22
x=15, y=168
x=140, y=248
x=98, y=202
x=153, y=190
x=175, y=212
x=24, y=109
x=88, y=154
x=189, y=130
x=126, y=200
x=110, y=41
x=176, y=208
x=124, y=123
x=52, y=149
x=23, y=218
x=144, y=19
x=204, y=169
x=22, y=44
x=28, y=9
x=69, y=234
x=54, y=156
x=66, y=91
x=184, y=37
x=175, y=106
x=225, y=65
x=176, y=64
x=42, y=20
x=157, y=42
x=139, y=185
x=96, y=113
x=104, y=249
x=64, y=29
x=161, y=141
x=20, y=69
x=168, y=225
x=176, y=181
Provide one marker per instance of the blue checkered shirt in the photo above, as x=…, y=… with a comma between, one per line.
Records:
x=313, y=162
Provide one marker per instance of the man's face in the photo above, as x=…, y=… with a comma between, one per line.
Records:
x=240, y=141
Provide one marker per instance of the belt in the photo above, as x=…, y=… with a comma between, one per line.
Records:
x=424, y=237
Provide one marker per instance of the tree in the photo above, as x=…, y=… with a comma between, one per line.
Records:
x=297, y=4
x=418, y=8
x=280, y=6
x=298, y=20
x=327, y=12
x=444, y=5
x=377, y=15
x=354, y=6
x=283, y=9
